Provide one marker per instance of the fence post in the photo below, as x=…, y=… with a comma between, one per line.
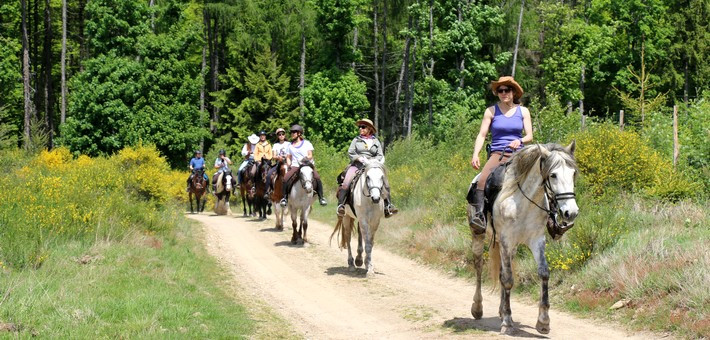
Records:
x=621, y=120
x=583, y=121
x=675, y=135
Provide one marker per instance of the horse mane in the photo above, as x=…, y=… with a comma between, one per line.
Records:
x=551, y=155
x=374, y=165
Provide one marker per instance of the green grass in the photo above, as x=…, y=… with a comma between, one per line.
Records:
x=155, y=286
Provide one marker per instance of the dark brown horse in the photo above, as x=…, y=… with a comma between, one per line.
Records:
x=261, y=203
x=198, y=185
x=247, y=188
x=277, y=194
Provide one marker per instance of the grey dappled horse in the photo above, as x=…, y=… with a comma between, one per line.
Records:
x=300, y=199
x=538, y=177
x=367, y=208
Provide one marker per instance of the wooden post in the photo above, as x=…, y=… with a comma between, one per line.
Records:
x=583, y=121
x=675, y=135
x=621, y=120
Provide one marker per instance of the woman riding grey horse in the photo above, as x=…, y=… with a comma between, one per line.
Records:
x=506, y=122
x=363, y=149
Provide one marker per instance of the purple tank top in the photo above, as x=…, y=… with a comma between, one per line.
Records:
x=506, y=129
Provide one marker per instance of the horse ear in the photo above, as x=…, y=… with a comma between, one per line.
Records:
x=544, y=153
x=570, y=148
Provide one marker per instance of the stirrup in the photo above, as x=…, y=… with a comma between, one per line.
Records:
x=390, y=210
x=323, y=202
x=478, y=224
x=340, y=211
x=284, y=202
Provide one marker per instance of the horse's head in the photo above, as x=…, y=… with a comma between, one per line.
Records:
x=559, y=171
x=198, y=180
x=305, y=176
x=227, y=180
x=375, y=181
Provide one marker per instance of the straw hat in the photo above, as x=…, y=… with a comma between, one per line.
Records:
x=280, y=130
x=253, y=139
x=368, y=123
x=507, y=80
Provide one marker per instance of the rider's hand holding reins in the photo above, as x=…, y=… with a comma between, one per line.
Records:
x=515, y=144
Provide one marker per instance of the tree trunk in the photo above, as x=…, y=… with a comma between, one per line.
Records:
x=384, y=62
x=643, y=79
x=403, y=75
x=540, y=71
x=47, y=70
x=82, y=43
x=29, y=107
x=376, y=48
x=685, y=86
x=459, y=58
x=355, y=34
x=517, y=38
x=410, y=92
x=431, y=58
x=152, y=15
x=64, y=63
x=581, y=89
x=202, y=90
x=302, y=73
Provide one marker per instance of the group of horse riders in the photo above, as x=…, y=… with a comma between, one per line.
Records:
x=364, y=148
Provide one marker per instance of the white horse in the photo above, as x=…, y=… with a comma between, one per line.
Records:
x=538, y=183
x=300, y=199
x=368, y=209
x=223, y=192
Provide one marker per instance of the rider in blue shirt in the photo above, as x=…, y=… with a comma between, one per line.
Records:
x=197, y=163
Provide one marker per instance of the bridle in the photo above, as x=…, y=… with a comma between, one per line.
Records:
x=300, y=179
x=552, y=199
x=368, y=194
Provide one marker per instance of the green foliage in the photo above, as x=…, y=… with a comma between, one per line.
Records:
x=552, y=123
x=119, y=101
x=335, y=20
x=333, y=101
x=116, y=25
x=259, y=100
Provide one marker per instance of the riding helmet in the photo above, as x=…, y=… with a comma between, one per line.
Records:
x=222, y=152
x=296, y=127
x=198, y=152
x=262, y=132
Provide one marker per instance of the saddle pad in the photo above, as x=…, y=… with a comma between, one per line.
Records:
x=494, y=183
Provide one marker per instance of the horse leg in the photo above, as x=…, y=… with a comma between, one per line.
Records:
x=543, y=319
x=506, y=280
x=358, y=260
x=244, y=201
x=198, y=204
x=204, y=201
x=347, y=236
x=294, y=218
x=477, y=245
x=369, y=243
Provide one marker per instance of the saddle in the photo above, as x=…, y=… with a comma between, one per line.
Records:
x=494, y=183
x=341, y=178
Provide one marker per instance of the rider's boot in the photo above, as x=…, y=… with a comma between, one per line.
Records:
x=342, y=195
x=390, y=209
x=319, y=190
x=286, y=188
x=478, y=220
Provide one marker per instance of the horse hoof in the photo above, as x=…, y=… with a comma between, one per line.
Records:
x=358, y=261
x=300, y=242
x=351, y=268
x=476, y=311
x=542, y=328
x=506, y=330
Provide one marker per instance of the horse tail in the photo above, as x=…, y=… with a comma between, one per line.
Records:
x=338, y=230
x=494, y=263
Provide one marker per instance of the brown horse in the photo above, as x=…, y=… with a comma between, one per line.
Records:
x=247, y=188
x=198, y=185
x=261, y=203
x=277, y=194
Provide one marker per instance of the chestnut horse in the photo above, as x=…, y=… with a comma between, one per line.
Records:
x=277, y=194
x=198, y=186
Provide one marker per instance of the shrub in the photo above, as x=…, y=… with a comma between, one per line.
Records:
x=613, y=160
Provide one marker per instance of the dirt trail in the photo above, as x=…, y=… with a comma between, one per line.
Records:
x=312, y=288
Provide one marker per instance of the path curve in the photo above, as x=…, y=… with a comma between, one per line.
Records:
x=311, y=287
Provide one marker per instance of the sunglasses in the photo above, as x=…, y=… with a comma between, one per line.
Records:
x=504, y=90
x=363, y=126
x=294, y=131
x=280, y=134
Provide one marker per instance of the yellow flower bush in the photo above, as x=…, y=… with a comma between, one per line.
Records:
x=611, y=160
x=52, y=196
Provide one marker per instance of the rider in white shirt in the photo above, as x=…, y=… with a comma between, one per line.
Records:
x=300, y=150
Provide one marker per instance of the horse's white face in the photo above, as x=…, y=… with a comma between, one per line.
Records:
x=561, y=180
x=375, y=182
x=306, y=178
x=229, y=182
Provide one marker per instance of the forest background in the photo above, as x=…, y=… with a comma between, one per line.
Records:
x=139, y=85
